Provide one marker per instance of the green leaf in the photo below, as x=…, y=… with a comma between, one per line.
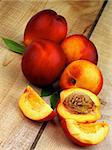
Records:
x=47, y=91
x=13, y=46
x=54, y=99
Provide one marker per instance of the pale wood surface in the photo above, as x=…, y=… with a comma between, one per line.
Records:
x=102, y=37
x=16, y=131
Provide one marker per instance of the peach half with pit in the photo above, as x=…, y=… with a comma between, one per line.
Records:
x=82, y=74
x=85, y=134
x=78, y=104
x=34, y=107
x=78, y=47
x=46, y=24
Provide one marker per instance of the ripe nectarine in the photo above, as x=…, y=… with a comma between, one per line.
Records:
x=82, y=74
x=78, y=47
x=43, y=62
x=34, y=107
x=45, y=24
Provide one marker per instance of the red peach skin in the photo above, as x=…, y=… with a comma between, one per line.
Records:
x=78, y=47
x=43, y=62
x=45, y=24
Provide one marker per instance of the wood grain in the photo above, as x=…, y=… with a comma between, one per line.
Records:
x=16, y=131
x=53, y=136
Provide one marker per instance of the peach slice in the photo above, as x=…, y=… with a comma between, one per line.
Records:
x=78, y=47
x=85, y=134
x=34, y=107
x=78, y=104
x=82, y=74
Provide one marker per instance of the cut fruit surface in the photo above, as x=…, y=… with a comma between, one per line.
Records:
x=34, y=107
x=78, y=104
x=85, y=134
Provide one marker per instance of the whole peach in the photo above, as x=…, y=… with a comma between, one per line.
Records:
x=78, y=47
x=43, y=62
x=82, y=74
x=45, y=24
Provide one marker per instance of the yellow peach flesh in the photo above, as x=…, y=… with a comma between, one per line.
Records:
x=90, y=117
x=33, y=106
x=92, y=133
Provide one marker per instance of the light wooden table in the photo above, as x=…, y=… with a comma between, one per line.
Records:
x=92, y=18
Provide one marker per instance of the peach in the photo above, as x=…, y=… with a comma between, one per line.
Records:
x=45, y=24
x=78, y=47
x=85, y=134
x=43, y=62
x=34, y=107
x=78, y=104
x=82, y=74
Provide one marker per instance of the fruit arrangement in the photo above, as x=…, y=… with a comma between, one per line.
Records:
x=78, y=110
x=50, y=56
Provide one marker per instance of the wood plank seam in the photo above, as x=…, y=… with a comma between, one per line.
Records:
x=38, y=135
x=88, y=36
x=97, y=18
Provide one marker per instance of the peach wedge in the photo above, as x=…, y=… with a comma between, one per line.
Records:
x=85, y=134
x=78, y=104
x=34, y=107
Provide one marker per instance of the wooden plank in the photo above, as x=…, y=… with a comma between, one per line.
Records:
x=17, y=132
x=53, y=137
x=80, y=15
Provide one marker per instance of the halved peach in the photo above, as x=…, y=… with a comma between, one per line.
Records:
x=85, y=134
x=34, y=107
x=78, y=104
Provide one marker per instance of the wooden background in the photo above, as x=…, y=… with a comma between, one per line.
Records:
x=92, y=18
